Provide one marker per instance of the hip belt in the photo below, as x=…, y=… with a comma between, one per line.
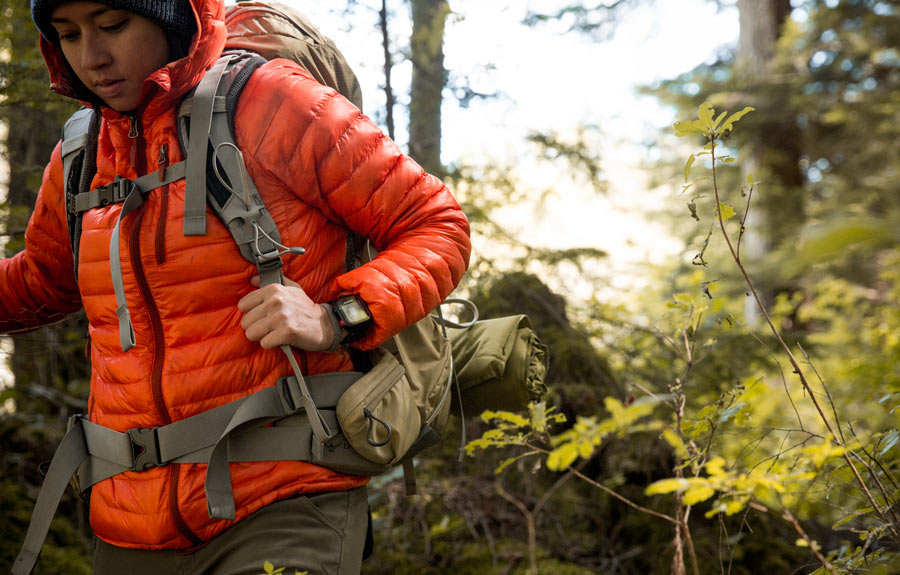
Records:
x=269, y=425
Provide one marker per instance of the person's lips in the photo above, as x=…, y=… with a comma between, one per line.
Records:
x=108, y=88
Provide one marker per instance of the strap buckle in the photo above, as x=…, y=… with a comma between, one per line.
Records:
x=116, y=191
x=291, y=396
x=145, y=446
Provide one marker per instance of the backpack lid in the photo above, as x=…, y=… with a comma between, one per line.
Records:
x=274, y=30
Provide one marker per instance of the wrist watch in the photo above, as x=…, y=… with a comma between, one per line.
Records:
x=352, y=316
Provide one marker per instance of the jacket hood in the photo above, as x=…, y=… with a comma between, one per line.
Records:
x=165, y=87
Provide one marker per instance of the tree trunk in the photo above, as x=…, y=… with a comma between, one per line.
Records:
x=428, y=79
x=774, y=156
x=388, y=67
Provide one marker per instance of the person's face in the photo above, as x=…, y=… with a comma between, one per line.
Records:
x=111, y=51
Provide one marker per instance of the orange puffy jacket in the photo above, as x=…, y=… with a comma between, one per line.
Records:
x=322, y=168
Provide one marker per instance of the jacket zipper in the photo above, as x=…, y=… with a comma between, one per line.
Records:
x=162, y=162
x=139, y=161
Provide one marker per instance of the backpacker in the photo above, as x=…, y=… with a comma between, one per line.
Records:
x=356, y=423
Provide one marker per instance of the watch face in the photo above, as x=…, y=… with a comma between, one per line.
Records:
x=353, y=312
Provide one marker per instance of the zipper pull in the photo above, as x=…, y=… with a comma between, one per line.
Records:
x=133, y=133
x=163, y=161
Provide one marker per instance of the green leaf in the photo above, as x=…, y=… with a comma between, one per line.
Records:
x=672, y=439
x=664, y=486
x=729, y=123
x=505, y=418
x=734, y=506
x=852, y=516
x=726, y=211
x=687, y=167
x=687, y=128
x=538, y=416
x=890, y=440
x=697, y=493
x=562, y=457
x=705, y=114
x=510, y=460
x=715, y=467
x=730, y=412
x=719, y=119
x=832, y=237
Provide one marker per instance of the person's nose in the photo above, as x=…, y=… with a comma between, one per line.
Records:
x=94, y=53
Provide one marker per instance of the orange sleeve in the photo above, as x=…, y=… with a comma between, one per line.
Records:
x=37, y=285
x=323, y=148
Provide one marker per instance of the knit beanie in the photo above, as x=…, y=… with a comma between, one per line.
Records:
x=173, y=16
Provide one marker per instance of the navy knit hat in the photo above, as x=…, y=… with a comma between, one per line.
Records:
x=173, y=16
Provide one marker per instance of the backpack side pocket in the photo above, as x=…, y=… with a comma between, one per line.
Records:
x=378, y=413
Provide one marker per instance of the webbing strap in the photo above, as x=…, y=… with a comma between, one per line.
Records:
x=201, y=118
x=133, y=200
x=260, y=409
x=191, y=440
x=116, y=191
x=69, y=455
x=133, y=193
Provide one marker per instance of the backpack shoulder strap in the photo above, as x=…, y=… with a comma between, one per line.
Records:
x=79, y=156
x=216, y=174
x=206, y=131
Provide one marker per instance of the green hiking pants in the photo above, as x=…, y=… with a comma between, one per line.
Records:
x=322, y=534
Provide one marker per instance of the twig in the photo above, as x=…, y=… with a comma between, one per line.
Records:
x=531, y=515
x=784, y=383
x=621, y=498
x=788, y=516
x=793, y=360
x=744, y=219
x=887, y=472
x=837, y=421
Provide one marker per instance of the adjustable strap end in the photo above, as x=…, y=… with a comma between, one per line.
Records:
x=126, y=329
x=219, y=497
x=24, y=563
x=409, y=477
x=222, y=511
x=194, y=225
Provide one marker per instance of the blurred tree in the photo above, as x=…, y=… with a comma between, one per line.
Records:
x=428, y=80
x=774, y=149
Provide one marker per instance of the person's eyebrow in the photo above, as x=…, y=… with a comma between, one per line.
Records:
x=96, y=12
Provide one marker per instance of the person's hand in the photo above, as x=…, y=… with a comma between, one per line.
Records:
x=284, y=315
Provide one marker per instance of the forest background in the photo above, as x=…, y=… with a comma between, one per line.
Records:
x=686, y=431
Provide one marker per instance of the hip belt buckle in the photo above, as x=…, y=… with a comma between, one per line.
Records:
x=145, y=447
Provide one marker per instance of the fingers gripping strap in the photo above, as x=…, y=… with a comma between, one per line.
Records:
x=68, y=457
x=201, y=117
x=126, y=331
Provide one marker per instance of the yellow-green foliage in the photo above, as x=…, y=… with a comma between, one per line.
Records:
x=269, y=569
x=749, y=426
